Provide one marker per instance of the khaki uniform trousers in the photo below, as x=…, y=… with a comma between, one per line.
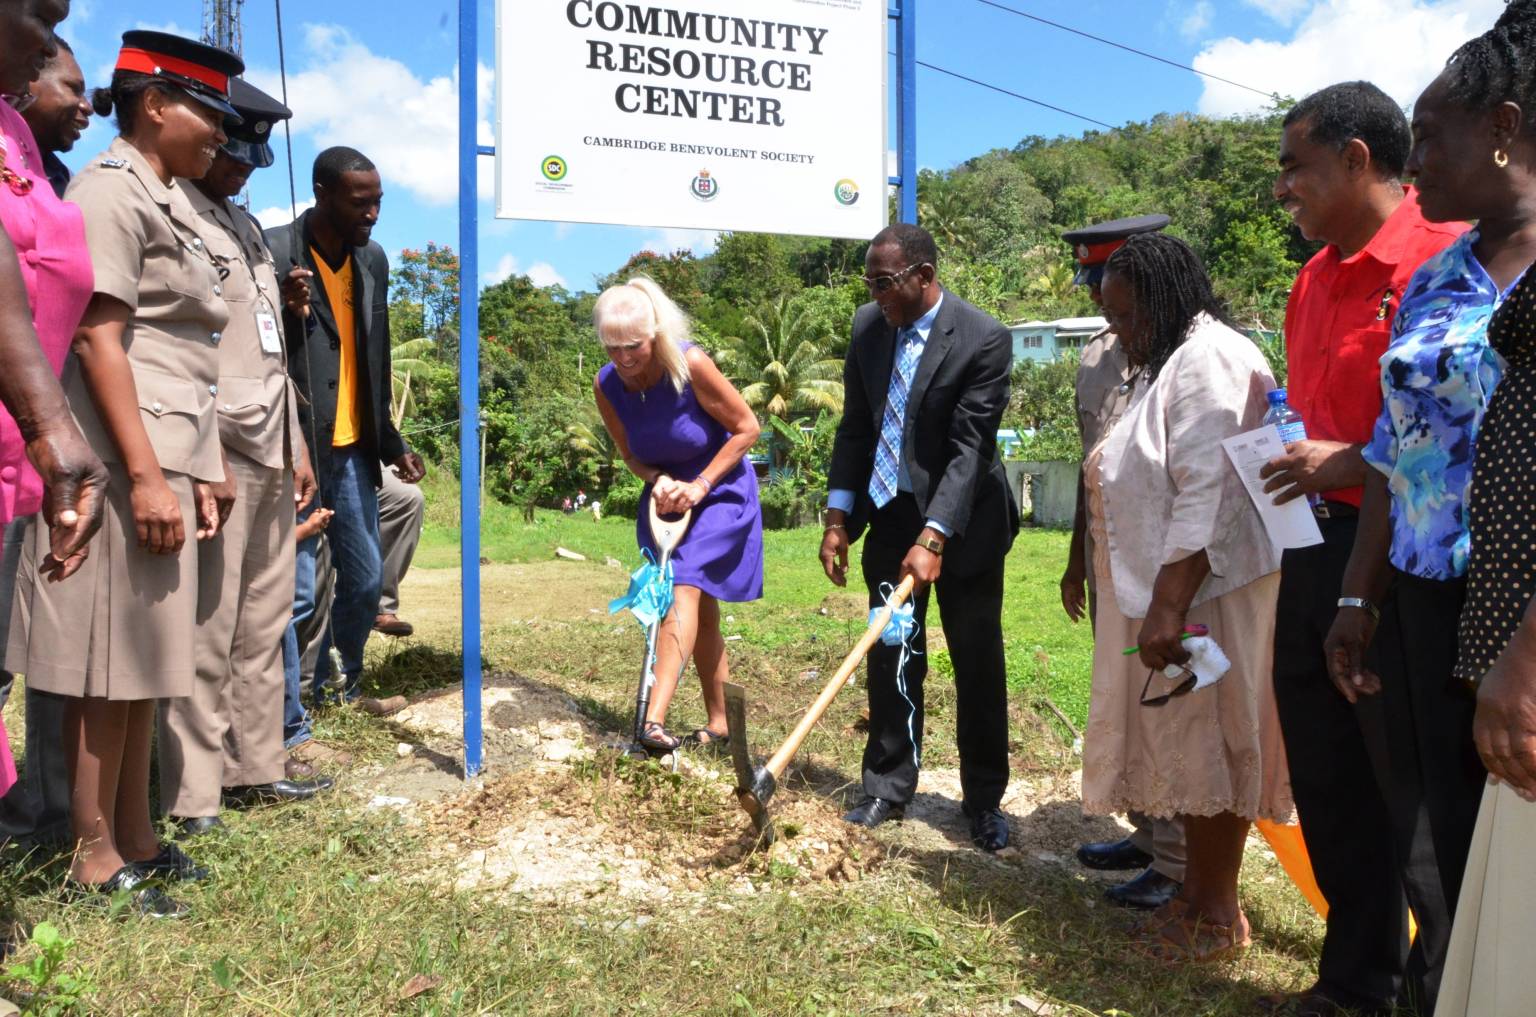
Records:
x=229, y=732
x=402, y=507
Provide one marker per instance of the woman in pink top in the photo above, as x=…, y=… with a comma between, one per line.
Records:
x=45, y=284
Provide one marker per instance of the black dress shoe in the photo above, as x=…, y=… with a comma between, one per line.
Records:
x=989, y=828
x=871, y=812
x=172, y=863
x=1147, y=892
x=196, y=826
x=1314, y=1002
x=276, y=792
x=143, y=895
x=1113, y=855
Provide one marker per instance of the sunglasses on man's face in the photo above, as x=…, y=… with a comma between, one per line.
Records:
x=886, y=283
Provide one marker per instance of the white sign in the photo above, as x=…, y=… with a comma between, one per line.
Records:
x=759, y=115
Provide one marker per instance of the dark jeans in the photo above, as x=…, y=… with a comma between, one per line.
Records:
x=353, y=536
x=1437, y=778
x=1338, y=763
x=36, y=809
x=970, y=608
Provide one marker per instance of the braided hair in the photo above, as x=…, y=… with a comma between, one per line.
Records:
x=1170, y=287
x=1499, y=65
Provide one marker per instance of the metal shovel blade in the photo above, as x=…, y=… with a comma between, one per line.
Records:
x=755, y=785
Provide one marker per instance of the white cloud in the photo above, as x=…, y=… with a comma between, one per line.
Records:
x=280, y=215
x=540, y=274
x=408, y=125
x=1284, y=11
x=670, y=239
x=1197, y=20
x=1399, y=45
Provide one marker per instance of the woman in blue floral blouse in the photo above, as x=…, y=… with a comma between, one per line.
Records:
x=1474, y=157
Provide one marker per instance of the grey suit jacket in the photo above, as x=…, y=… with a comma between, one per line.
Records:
x=314, y=350
x=949, y=433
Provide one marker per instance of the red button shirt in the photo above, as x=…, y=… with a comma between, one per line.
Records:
x=1338, y=321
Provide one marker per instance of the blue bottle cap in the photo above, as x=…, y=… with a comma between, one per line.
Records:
x=1276, y=396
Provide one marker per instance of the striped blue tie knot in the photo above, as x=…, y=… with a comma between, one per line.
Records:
x=882, y=483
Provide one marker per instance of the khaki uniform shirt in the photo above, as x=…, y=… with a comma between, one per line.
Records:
x=151, y=251
x=257, y=415
x=1103, y=391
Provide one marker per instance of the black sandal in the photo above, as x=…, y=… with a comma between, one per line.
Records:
x=704, y=738
x=654, y=736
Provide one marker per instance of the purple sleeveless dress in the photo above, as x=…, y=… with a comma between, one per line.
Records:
x=722, y=552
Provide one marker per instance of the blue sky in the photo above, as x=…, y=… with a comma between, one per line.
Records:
x=380, y=75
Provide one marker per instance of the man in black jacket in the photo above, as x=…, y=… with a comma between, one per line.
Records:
x=915, y=461
x=338, y=356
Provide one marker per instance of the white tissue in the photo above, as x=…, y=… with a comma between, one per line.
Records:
x=1206, y=660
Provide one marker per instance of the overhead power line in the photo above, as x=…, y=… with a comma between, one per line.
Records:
x=1128, y=49
x=1016, y=95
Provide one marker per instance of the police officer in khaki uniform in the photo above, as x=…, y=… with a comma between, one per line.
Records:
x=1104, y=388
x=228, y=735
x=143, y=385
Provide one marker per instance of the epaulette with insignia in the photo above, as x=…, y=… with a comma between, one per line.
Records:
x=114, y=163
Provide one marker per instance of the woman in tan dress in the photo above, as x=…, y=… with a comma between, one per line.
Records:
x=119, y=636
x=1178, y=544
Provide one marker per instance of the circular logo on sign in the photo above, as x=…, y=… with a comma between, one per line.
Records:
x=846, y=192
x=704, y=186
x=554, y=168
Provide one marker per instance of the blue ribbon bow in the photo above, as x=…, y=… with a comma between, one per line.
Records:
x=650, y=592
x=901, y=631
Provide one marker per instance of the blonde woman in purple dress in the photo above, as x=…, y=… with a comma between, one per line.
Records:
x=685, y=431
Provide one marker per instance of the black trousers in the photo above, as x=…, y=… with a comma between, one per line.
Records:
x=1338, y=763
x=971, y=609
x=1437, y=778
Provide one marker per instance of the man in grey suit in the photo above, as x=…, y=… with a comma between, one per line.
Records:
x=915, y=464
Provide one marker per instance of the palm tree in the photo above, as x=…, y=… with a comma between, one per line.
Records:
x=408, y=360
x=588, y=438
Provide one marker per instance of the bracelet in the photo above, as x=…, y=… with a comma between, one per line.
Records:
x=701, y=479
x=1362, y=604
x=835, y=526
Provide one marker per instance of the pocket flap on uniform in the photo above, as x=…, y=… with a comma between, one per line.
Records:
x=160, y=394
x=241, y=393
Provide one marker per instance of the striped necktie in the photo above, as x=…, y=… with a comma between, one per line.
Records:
x=882, y=484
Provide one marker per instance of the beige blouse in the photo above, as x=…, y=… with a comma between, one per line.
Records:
x=1168, y=488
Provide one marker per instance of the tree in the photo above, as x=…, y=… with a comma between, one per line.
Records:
x=430, y=279
x=410, y=361
x=781, y=365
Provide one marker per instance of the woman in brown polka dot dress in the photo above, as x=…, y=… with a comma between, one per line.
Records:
x=1488, y=973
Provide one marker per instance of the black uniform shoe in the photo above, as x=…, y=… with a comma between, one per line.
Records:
x=145, y=897
x=1113, y=855
x=871, y=812
x=989, y=828
x=276, y=792
x=196, y=826
x=1147, y=892
x=172, y=863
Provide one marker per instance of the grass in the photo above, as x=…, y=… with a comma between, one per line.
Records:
x=336, y=908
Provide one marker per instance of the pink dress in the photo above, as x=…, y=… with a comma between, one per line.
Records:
x=49, y=237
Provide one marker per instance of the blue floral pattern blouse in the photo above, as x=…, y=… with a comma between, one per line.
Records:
x=1436, y=378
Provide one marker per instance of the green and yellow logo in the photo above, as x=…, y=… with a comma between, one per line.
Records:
x=846, y=192
x=554, y=167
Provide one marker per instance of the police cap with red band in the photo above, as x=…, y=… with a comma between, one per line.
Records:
x=1092, y=245
x=202, y=71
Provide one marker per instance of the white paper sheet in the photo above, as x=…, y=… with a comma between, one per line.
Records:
x=1289, y=525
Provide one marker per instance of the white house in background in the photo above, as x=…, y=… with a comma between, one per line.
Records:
x=1046, y=340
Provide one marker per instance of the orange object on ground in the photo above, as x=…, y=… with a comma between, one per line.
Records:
x=1292, y=851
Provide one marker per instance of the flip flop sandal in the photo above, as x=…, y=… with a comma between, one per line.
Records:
x=1192, y=938
x=654, y=736
x=704, y=738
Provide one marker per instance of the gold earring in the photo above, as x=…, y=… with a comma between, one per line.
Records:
x=1500, y=158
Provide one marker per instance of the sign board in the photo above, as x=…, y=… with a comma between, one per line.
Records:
x=759, y=115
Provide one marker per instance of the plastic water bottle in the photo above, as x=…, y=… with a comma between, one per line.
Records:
x=1289, y=423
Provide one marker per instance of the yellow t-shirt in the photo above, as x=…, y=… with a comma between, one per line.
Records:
x=338, y=293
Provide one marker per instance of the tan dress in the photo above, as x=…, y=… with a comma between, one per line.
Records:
x=1217, y=750
x=1488, y=972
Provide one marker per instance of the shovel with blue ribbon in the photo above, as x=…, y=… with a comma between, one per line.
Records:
x=892, y=624
x=649, y=599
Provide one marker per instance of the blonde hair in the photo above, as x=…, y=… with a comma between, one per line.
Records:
x=641, y=308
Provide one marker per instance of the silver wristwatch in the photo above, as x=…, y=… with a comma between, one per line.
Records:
x=1362, y=604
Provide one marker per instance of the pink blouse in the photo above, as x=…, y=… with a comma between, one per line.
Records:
x=49, y=236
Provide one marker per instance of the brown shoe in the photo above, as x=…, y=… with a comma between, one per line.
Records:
x=297, y=769
x=315, y=751
x=381, y=707
x=393, y=625
x=1191, y=937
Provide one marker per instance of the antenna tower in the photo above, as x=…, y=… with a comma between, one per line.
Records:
x=221, y=24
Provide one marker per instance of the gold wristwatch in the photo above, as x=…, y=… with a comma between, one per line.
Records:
x=930, y=544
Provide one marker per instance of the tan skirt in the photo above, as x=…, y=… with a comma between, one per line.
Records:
x=1200, y=754
x=1488, y=971
x=120, y=628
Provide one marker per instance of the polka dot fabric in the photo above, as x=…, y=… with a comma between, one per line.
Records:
x=1501, y=574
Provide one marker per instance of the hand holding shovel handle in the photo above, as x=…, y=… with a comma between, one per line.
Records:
x=755, y=786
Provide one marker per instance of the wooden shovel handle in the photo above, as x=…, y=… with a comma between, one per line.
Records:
x=780, y=759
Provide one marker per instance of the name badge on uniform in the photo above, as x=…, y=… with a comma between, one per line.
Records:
x=271, y=339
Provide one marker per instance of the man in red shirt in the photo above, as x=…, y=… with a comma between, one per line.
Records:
x=1341, y=160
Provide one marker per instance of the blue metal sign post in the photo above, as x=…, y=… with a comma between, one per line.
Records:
x=905, y=16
